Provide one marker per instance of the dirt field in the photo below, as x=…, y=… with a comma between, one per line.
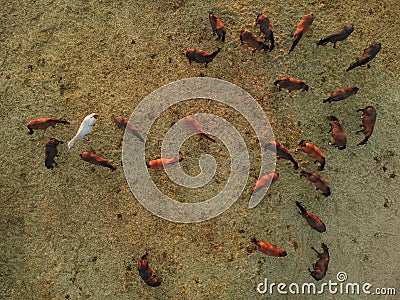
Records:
x=77, y=232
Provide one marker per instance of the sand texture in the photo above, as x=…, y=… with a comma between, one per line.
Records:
x=77, y=231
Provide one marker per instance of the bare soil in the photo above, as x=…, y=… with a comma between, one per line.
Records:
x=77, y=232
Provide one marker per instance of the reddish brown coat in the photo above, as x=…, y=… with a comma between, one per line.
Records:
x=194, y=126
x=252, y=41
x=158, y=164
x=312, y=220
x=265, y=181
x=368, y=55
x=321, y=266
x=302, y=28
x=291, y=84
x=314, y=152
x=97, y=160
x=338, y=133
x=201, y=56
x=342, y=94
x=146, y=273
x=266, y=29
x=51, y=152
x=368, y=123
x=318, y=182
x=217, y=26
x=281, y=151
x=269, y=249
x=43, y=124
x=125, y=124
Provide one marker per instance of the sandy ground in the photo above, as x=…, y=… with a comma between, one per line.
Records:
x=72, y=232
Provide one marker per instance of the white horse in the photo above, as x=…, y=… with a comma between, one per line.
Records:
x=85, y=128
